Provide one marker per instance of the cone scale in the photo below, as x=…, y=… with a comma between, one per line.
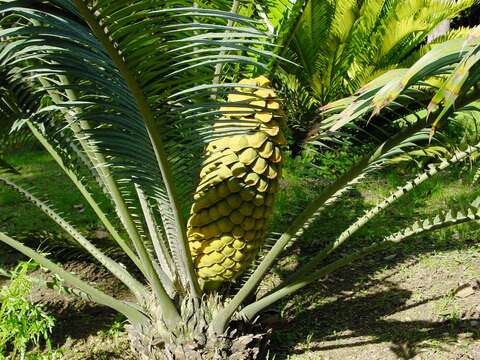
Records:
x=233, y=202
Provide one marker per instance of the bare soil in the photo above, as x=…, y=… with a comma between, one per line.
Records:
x=425, y=307
x=409, y=307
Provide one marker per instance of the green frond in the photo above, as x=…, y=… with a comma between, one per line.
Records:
x=311, y=213
x=411, y=23
x=134, y=90
x=73, y=281
x=120, y=272
x=460, y=33
x=446, y=218
x=457, y=61
x=432, y=170
x=12, y=137
x=447, y=75
x=123, y=92
x=6, y=167
x=441, y=220
x=340, y=45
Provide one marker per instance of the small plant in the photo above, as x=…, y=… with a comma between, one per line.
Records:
x=116, y=328
x=22, y=323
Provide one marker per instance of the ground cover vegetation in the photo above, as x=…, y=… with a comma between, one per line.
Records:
x=22, y=323
x=168, y=109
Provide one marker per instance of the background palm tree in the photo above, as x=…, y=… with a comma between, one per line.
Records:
x=342, y=45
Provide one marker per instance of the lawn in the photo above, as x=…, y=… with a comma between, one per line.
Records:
x=418, y=301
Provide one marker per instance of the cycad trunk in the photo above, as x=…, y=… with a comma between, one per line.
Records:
x=191, y=340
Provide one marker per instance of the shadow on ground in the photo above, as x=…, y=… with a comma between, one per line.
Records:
x=352, y=323
x=355, y=307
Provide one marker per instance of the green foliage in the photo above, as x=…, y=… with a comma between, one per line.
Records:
x=440, y=86
x=116, y=328
x=40, y=166
x=11, y=138
x=329, y=164
x=22, y=323
x=342, y=45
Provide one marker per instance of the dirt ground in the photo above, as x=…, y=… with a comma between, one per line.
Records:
x=417, y=307
x=426, y=307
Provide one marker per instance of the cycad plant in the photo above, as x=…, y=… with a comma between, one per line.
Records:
x=170, y=108
x=343, y=44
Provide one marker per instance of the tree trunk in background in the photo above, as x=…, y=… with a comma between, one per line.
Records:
x=469, y=17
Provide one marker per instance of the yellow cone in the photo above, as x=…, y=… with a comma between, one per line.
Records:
x=234, y=199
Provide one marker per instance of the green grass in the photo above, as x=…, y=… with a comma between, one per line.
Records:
x=47, y=181
x=301, y=184
x=454, y=188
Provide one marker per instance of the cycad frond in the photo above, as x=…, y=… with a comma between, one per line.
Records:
x=111, y=265
x=134, y=90
x=342, y=45
x=313, y=270
x=460, y=33
x=441, y=220
x=136, y=75
x=127, y=83
x=93, y=294
x=447, y=75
